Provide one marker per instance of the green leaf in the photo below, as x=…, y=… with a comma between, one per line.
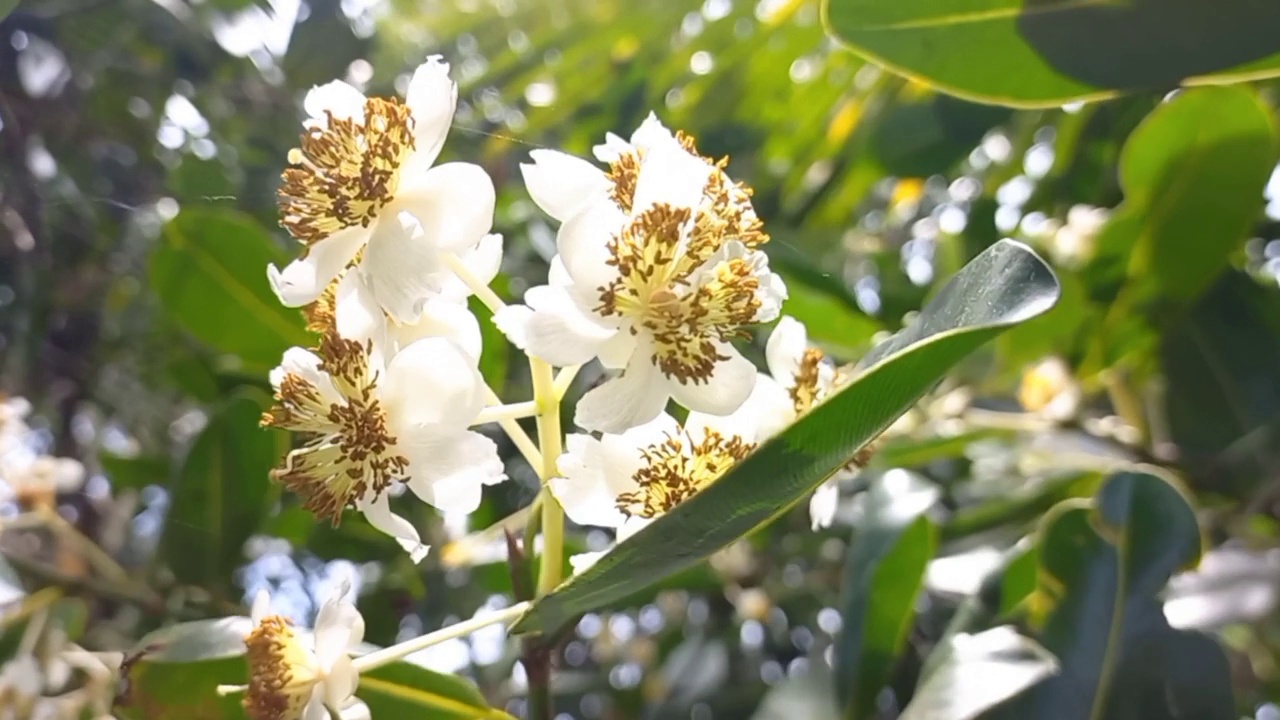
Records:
x=1193, y=174
x=210, y=273
x=6, y=7
x=222, y=493
x=1003, y=286
x=1044, y=53
x=181, y=666
x=978, y=672
x=134, y=472
x=891, y=548
x=1102, y=565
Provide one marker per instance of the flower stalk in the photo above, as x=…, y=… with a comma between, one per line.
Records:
x=547, y=398
x=388, y=655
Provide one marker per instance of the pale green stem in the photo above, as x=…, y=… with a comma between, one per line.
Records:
x=564, y=378
x=388, y=655
x=517, y=434
x=544, y=394
x=482, y=291
x=513, y=411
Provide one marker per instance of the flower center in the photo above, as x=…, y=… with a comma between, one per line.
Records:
x=282, y=672
x=350, y=451
x=677, y=468
x=807, y=391
x=345, y=171
x=665, y=286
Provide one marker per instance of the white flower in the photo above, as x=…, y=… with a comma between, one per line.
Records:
x=361, y=190
x=804, y=377
x=41, y=479
x=658, y=268
x=626, y=480
x=303, y=677
x=349, y=307
x=371, y=424
x=1050, y=389
x=21, y=684
x=1074, y=244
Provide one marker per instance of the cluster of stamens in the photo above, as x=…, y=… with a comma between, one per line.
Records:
x=345, y=170
x=677, y=468
x=281, y=672
x=349, y=451
x=662, y=285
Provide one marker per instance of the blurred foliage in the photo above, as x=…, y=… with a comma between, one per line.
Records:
x=140, y=146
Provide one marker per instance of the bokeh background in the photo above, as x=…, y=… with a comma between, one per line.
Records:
x=141, y=143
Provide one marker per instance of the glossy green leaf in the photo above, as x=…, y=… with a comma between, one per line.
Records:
x=892, y=546
x=1193, y=174
x=221, y=493
x=1102, y=565
x=1044, y=53
x=1003, y=286
x=181, y=666
x=978, y=672
x=134, y=472
x=210, y=273
x=6, y=7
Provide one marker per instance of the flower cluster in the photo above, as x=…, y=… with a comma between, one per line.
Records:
x=386, y=397
x=54, y=679
x=659, y=268
x=30, y=478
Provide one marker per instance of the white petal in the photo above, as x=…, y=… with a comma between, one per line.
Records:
x=261, y=606
x=377, y=510
x=617, y=351
x=355, y=710
x=583, y=561
x=586, y=490
x=315, y=709
x=562, y=184
x=670, y=175
x=339, y=627
x=356, y=313
x=431, y=382
x=823, y=504
x=432, y=98
x=484, y=261
x=652, y=134
x=553, y=328
x=445, y=319
x=611, y=149
x=632, y=526
x=453, y=202
x=449, y=472
x=302, y=280
x=784, y=350
x=341, y=682
x=337, y=98
x=729, y=386
x=772, y=293
x=398, y=265
x=306, y=365
x=766, y=411
x=583, y=244
x=633, y=398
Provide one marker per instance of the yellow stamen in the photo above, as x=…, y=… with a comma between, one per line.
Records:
x=282, y=672
x=345, y=170
x=350, y=451
x=677, y=468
